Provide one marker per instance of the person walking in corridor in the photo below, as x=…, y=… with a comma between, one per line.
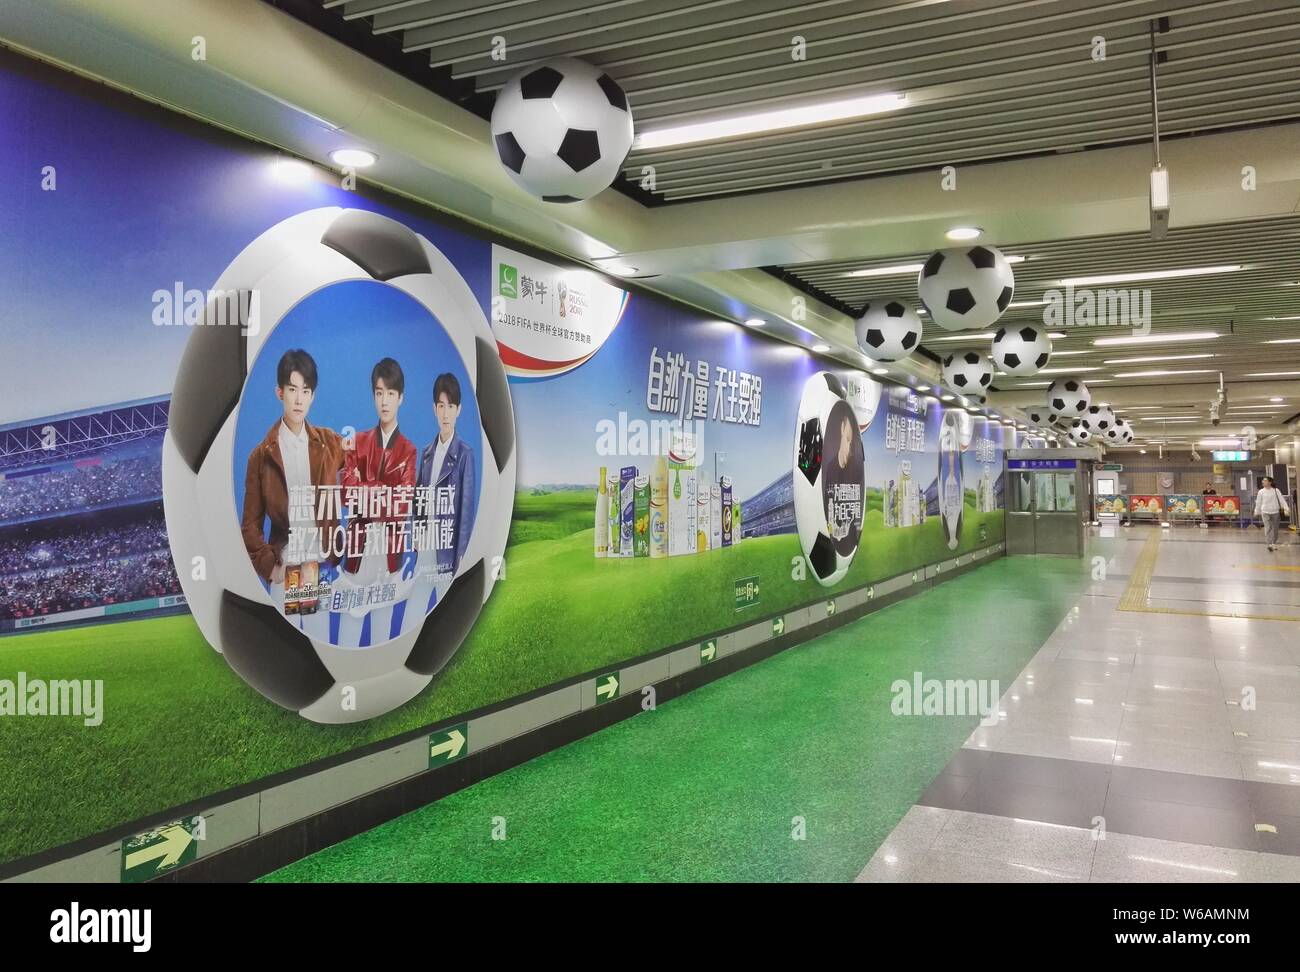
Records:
x=1270, y=504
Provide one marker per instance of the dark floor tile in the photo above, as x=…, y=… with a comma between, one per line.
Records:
x=947, y=791
x=1180, y=821
x=968, y=762
x=1026, y=801
x=1058, y=774
x=1187, y=788
x=1276, y=799
x=1287, y=838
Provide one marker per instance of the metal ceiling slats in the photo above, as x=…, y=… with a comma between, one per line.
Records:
x=1279, y=106
x=812, y=78
x=1234, y=304
x=986, y=79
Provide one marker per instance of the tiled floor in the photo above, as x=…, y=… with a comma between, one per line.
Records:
x=1136, y=744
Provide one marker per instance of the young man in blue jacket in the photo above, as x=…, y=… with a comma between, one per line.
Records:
x=447, y=471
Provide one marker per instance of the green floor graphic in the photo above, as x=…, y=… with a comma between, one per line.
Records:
x=706, y=788
x=179, y=725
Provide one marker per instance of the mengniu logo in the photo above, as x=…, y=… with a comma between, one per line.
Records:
x=508, y=281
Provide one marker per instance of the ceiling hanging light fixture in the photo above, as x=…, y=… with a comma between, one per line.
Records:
x=1159, y=174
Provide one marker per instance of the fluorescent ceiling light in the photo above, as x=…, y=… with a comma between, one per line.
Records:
x=1220, y=442
x=1272, y=374
x=353, y=158
x=899, y=269
x=925, y=388
x=1066, y=371
x=1059, y=354
x=1170, y=418
x=1155, y=338
x=1108, y=278
x=755, y=322
x=1293, y=317
x=774, y=120
x=880, y=371
x=1161, y=373
x=960, y=233
x=821, y=348
x=945, y=398
x=1156, y=357
x=1027, y=303
x=1284, y=341
x=1277, y=399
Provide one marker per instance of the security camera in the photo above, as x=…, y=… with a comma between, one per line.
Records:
x=1214, y=413
x=1196, y=456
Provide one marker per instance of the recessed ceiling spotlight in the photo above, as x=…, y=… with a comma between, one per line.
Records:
x=945, y=398
x=959, y=233
x=353, y=158
x=1275, y=399
x=756, y=322
x=880, y=371
x=926, y=388
x=821, y=348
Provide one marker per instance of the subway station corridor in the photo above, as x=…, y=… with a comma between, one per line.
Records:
x=1164, y=711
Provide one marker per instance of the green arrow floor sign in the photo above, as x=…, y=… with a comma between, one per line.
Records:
x=160, y=850
x=448, y=744
x=607, y=687
x=778, y=626
x=708, y=651
x=830, y=609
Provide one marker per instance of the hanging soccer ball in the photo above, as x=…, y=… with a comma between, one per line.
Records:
x=1021, y=350
x=966, y=287
x=968, y=372
x=829, y=478
x=1098, y=419
x=1068, y=397
x=1039, y=416
x=1079, y=433
x=888, y=330
x=562, y=129
x=276, y=633
x=1126, y=433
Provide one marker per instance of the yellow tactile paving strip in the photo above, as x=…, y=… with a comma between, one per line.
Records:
x=1137, y=595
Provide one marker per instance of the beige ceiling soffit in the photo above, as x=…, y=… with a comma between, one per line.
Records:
x=1092, y=193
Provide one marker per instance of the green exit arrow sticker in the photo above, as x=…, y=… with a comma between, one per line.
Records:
x=708, y=651
x=160, y=850
x=830, y=609
x=746, y=592
x=778, y=626
x=448, y=744
x=607, y=687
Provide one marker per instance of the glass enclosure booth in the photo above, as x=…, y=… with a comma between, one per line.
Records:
x=1049, y=500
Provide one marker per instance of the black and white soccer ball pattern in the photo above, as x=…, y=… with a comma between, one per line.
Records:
x=234, y=611
x=888, y=330
x=562, y=129
x=1021, y=350
x=966, y=287
x=968, y=373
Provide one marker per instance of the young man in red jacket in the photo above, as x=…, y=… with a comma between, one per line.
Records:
x=378, y=481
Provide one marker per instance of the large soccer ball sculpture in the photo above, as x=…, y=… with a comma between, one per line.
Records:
x=888, y=330
x=1021, y=350
x=1079, y=433
x=968, y=372
x=829, y=495
x=1098, y=419
x=562, y=129
x=966, y=287
x=1068, y=399
x=230, y=604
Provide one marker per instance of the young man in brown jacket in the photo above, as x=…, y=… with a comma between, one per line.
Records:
x=293, y=457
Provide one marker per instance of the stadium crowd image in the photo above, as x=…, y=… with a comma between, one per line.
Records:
x=850, y=442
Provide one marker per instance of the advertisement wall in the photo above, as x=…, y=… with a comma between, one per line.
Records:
x=651, y=468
